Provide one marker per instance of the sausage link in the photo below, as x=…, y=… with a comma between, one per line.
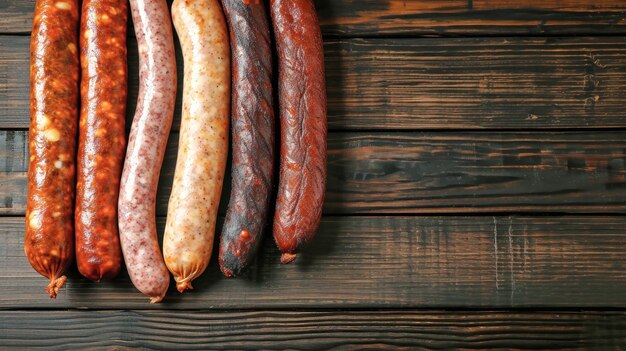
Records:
x=253, y=134
x=146, y=148
x=101, y=139
x=54, y=74
x=203, y=144
x=302, y=103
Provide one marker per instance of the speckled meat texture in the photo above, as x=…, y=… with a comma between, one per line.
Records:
x=146, y=148
x=253, y=134
x=203, y=144
x=302, y=103
x=101, y=139
x=54, y=74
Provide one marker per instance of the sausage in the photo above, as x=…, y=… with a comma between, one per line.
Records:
x=101, y=139
x=302, y=105
x=54, y=74
x=146, y=148
x=253, y=134
x=203, y=143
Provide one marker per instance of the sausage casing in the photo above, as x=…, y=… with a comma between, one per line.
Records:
x=253, y=134
x=203, y=144
x=54, y=74
x=302, y=104
x=146, y=148
x=101, y=138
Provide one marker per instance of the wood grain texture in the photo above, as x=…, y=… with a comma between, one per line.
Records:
x=471, y=83
x=376, y=262
x=566, y=172
x=428, y=17
x=337, y=330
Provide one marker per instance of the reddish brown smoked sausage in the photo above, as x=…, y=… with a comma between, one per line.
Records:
x=54, y=71
x=302, y=103
x=146, y=147
x=253, y=134
x=101, y=140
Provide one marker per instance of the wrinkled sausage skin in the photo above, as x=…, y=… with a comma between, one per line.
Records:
x=302, y=104
x=146, y=148
x=54, y=75
x=252, y=119
x=203, y=144
x=101, y=141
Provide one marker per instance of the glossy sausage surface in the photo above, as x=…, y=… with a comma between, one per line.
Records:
x=146, y=148
x=302, y=104
x=54, y=74
x=101, y=142
x=203, y=144
x=252, y=119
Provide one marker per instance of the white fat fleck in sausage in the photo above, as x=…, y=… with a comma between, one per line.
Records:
x=203, y=145
x=146, y=148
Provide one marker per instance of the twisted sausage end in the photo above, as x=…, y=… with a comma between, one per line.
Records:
x=227, y=272
x=287, y=258
x=181, y=286
x=55, y=285
x=156, y=299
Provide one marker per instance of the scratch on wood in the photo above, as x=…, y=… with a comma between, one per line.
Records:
x=512, y=260
x=525, y=249
x=596, y=61
x=590, y=81
x=532, y=117
x=495, y=248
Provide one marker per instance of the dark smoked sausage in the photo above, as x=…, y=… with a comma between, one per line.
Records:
x=302, y=103
x=253, y=134
x=101, y=136
x=54, y=71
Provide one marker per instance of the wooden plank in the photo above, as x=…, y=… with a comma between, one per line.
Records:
x=428, y=17
x=376, y=262
x=470, y=83
x=562, y=5
x=337, y=330
x=566, y=172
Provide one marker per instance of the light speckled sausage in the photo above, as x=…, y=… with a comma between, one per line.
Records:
x=146, y=148
x=101, y=136
x=302, y=102
x=54, y=70
x=203, y=144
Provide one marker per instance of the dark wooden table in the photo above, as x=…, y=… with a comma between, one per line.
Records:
x=476, y=194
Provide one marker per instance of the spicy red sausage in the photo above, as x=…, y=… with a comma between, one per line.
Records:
x=101, y=136
x=302, y=104
x=253, y=134
x=54, y=71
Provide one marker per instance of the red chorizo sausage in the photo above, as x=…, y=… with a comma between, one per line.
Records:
x=54, y=71
x=302, y=104
x=146, y=148
x=101, y=139
x=253, y=134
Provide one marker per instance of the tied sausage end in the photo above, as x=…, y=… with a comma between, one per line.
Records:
x=287, y=257
x=156, y=299
x=183, y=285
x=227, y=272
x=55, y=285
